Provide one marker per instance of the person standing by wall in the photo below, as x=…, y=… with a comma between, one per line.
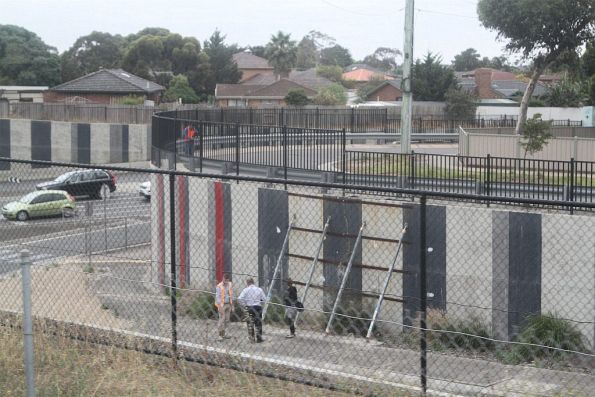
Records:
x=224, y=303
x=189, y=134
x=290, y=301
x=252, y=298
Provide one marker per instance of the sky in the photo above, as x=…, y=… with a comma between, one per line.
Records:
x=446, y=27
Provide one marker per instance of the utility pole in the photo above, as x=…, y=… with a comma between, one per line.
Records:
x=406, y=106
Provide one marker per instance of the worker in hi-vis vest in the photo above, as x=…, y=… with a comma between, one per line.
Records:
x=224, y=303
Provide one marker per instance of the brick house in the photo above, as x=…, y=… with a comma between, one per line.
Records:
x=258, y=95
x=251, y=65
x=105, y=86
x=388, y=91
x=487, y=83
x=360, y=73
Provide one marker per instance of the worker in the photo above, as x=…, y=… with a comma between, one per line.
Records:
x=224, y=304
x=251, y=298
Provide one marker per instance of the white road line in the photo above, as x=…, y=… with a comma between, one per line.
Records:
x=73, y=235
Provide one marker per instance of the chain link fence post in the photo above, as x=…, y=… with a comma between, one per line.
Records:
x=423, y=295
x=27, y=323
x=173, y=286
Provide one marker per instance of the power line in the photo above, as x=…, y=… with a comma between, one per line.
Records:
x=358, y=12
x=446, y=13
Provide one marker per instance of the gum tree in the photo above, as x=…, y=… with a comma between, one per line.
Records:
x=541, y=31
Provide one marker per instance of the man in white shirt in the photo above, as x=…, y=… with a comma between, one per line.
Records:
x=252, y=298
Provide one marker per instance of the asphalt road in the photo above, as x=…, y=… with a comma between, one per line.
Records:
x=121, y=221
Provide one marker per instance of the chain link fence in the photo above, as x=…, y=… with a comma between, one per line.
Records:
x=402, y=292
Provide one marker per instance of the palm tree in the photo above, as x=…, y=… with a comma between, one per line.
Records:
x=281, y=52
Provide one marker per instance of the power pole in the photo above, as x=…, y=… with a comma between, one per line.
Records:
x=406, y=106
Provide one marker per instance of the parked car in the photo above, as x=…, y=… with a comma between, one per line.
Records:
x=82, y=183
x=145, y=190
x=39, y=204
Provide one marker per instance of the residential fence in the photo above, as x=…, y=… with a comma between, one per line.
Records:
x=558, y=148
x=405, y=294
x=352, y=119
x=279, y=150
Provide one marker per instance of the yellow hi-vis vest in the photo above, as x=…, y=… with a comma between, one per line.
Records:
x=222, y=294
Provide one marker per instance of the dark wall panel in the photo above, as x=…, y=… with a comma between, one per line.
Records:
x=346, y=218
x=435, y=260
x=4, y=143
x=125, y=143
x=273, y=221
x=41, y=141
x=84, y=143
x=524, y=270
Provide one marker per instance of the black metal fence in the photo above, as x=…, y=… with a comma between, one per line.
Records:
x=401, y=296
x=324, y=150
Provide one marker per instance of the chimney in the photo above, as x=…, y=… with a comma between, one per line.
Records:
x=483, y=83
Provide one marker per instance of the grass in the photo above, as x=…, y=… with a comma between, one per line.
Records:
x=65, y=367
x=402, y=166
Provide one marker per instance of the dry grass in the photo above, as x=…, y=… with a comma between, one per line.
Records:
x=65, y=367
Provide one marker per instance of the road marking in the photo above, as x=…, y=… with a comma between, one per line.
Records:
x=75, y=234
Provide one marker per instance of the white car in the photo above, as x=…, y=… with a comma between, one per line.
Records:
x=145, y=190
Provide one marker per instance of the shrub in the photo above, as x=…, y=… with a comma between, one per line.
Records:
x=468, y=334
x=199, y=305
x=296, y=98
x=132, y=100
x=536, y=134
x=275, y=311
x=545, y=330
x=352, y=320
x=332, y=95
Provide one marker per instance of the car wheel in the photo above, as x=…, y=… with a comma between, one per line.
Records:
x=22, y=216
x=68, y=212
x=100, y=192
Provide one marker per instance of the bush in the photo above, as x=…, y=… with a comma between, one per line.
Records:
x=352, y=320
x=462, y=334
x=296, y=98
x=333, y=95
x=548, y=331
x=200, y=305
x=460, y=105
x=132, y=100
x=334, y=73
x=275, y=311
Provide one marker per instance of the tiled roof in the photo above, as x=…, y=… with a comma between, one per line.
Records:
x=509, y=88
x=246, y=60
x=260, y=79
x=309, y=78
x=109, y=81
x=276, y=90
x=364, y=75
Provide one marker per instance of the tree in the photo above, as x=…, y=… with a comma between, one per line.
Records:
x=296, y=98
x=144, y=56
x=460, y=105
x=333, y=73
x=588, y=60
x=281, y=53
x=468, y=60
x=564, y=94
x=336, y=55
x=307, y=54
x=431, y=80
x=384, y=58
x=223, y=69
x=179, y=88
x=536, y=134
x=541, y=30
x=258, y=50
x=90, y=53
x=25, y=59
x=332, y=95
x=592, y=90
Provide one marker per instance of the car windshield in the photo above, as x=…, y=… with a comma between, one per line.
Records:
x=27, y=199
x=64, y=177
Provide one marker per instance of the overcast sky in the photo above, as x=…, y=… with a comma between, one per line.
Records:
x=441, y=26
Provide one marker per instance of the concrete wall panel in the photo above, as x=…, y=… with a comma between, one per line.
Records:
x=244, y=253
x=61, y=141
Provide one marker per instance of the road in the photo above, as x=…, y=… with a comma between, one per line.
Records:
x=122, y=220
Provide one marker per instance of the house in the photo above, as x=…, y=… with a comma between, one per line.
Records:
x=361, y=73
x=15, y=93
x=258, y=95
x=251, y=65
x=487, y=83
x=388, y=91
x=105, y=86
x=252, y=93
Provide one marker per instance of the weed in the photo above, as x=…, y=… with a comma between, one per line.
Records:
x=88, y=268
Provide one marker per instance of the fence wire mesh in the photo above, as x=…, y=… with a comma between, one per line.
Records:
x=475, y=300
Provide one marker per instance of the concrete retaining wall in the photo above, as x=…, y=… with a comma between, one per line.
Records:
x=74, y=142
x=488, y=264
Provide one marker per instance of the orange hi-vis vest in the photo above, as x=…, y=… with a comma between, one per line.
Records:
x=221, y=290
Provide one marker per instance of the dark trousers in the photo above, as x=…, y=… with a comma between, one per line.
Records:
x=255, y=322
